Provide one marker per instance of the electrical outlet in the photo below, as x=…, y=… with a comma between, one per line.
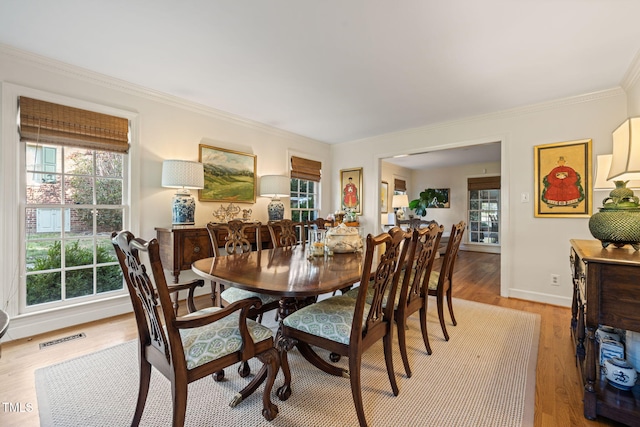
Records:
x=555, y=280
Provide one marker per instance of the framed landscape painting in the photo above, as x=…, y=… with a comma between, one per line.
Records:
x=229, y=176
x=563, y=186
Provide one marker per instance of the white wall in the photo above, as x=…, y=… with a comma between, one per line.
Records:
x=168, y=128
x=532, y=248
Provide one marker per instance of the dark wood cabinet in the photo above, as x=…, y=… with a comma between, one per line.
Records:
x=606, y=291
x=181, y=245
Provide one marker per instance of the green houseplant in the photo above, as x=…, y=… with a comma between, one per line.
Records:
x=429, y=198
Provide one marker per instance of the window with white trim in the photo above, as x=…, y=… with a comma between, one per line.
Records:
x=75, y=197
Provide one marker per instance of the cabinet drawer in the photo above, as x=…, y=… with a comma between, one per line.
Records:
x=192, y=247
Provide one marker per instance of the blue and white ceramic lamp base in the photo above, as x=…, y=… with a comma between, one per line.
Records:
x=184, y=209
x=275, y=210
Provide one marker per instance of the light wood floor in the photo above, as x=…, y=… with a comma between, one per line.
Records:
x=558, y=391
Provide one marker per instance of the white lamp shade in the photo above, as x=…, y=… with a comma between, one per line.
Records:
x=182, y=174
x=400, y=201
x=602, y=172
x=625, y=164
x=274, y=186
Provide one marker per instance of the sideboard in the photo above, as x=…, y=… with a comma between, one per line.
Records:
x=182, y=245
x=606, y=291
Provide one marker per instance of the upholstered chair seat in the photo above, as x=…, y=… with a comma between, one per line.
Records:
x=231, y=295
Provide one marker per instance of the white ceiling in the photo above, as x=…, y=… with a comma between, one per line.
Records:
x=340, y=70
x=481, y=153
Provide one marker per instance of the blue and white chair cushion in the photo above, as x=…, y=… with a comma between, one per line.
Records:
x=217, y=339
x=232, y=294
x=330, y=318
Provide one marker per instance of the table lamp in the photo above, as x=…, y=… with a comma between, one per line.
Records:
x=275, y=186
x=184, y=175
x=400, y=201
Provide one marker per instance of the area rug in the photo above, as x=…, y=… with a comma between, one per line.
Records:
x=483, y=376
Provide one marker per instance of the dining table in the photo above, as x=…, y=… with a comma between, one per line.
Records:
x=292, y=274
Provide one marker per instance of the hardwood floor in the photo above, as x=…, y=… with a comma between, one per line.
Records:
x=477, y=278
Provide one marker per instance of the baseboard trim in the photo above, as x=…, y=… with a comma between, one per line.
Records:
x=540, y=297
x=37, y=323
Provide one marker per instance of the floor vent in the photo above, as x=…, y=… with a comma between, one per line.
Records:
x=61, y=340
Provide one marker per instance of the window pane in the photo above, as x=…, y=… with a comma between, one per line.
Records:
x=43, y=255
x=78, y=190
x=79, y=282
x=78, y=161
x=109, y=278
x=109, y=220
x=105, y=251
x=81, y=222
x=78, y=252
x=109, y=164
x=108, y=191
x=43, y=288
x=44, y=192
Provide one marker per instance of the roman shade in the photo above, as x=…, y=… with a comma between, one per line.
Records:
x=484, y=183
x=305, y=169
x=399, y=185
x=51, y=123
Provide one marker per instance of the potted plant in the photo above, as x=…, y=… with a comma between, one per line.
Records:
x=429, y=198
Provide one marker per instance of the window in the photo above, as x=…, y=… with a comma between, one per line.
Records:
x=484, y=210
x=304, y=200
x=75, y=196
x=305, y=186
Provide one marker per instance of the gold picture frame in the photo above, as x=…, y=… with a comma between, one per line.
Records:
x=229, y=176
x=351, y=185
x=563, y=182
x=384, y=197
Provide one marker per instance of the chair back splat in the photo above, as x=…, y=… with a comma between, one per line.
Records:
x=286, y=233
x=173, y=344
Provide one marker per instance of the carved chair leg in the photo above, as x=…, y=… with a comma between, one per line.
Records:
x=283, y=345
x=271, y=360
x=179, y=392
x=356, y=388
x=244, y=369
x=402, y=343
x=143, y=391
x=176, y=304
x=423, y=328
x=450, y=304
x=387, y=341
x=440, y=303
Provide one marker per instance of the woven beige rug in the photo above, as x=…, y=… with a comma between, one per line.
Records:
x=484, y=376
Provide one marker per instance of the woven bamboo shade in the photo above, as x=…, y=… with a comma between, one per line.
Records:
x=399, y=185
x=51, y=123
x=305, y=169
x=484, y=183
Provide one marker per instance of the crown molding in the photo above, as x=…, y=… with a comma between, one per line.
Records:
x=68, y=70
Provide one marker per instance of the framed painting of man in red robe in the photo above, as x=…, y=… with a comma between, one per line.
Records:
x=563, y=179
x=351, y=184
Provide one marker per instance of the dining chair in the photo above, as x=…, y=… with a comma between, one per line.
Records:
x=349, y=326
x=286, y=233
x=188, y=348
x=440, y=282
x=236, y=242
x=414, y=291
x=413, y=288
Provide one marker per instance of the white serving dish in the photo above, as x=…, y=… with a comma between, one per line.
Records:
x=343, y=239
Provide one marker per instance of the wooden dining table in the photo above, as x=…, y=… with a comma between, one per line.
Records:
x=291, y=274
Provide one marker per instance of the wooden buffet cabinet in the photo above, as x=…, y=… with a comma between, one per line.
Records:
x=182, y=245
x=606, y=291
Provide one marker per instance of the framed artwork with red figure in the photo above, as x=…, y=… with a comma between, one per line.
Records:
x=563, y=182
x=351, y=184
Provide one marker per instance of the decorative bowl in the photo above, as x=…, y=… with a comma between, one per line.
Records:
x=343, y=239
x=620, y=373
